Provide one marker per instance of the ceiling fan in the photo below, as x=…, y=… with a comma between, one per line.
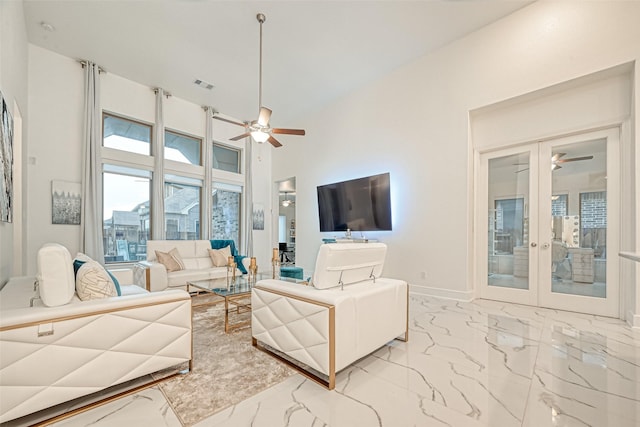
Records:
x=259, y=129
x=557, y=160
x=287, y=202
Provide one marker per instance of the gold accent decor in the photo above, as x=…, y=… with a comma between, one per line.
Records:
x=275, y=265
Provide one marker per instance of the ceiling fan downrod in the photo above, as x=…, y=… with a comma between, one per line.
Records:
x=261, y=18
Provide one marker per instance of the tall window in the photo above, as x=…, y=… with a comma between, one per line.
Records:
x=559, y=205
x=126, y=135
x=181, y=208
x=593, y=222
x=226, y=158
x=227, y=204
x=130, y=179
x=125, y=213
x=182, y=148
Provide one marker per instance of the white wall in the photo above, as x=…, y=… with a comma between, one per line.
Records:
x=13, y=84
x=55, y=148
x=414, y=123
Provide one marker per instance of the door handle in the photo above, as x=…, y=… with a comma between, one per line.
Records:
x=545, y=246
x=534, y=244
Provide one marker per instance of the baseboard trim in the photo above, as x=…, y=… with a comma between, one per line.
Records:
x=633, y=320
x=464, y=296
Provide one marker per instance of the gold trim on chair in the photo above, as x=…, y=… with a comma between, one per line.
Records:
x=331, y=383
x=89, y=314
x=127, y=392
x=109, y=399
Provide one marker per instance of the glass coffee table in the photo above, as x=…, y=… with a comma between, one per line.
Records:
x=237, y=296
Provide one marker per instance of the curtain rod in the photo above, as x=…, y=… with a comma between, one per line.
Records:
x=84, y=64
x=164, y=92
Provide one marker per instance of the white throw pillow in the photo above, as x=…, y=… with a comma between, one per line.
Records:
x=93, y=282
x=55, y=275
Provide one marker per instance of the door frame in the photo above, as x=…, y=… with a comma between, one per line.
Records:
x=611, y=305
x=539, y=292
x=518, y=296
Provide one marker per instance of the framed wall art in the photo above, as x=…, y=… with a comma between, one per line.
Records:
x=258, y=216
x=6, y=162
x=65, y=202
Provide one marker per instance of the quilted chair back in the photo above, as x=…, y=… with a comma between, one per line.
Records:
x=344, y=263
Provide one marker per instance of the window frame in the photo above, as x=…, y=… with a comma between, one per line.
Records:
x=146, y=162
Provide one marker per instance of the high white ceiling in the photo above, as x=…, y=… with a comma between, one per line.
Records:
x=314, y=51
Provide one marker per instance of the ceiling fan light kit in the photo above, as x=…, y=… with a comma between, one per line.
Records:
x=259, y=129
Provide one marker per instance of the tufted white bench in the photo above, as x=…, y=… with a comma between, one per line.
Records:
x=347, y=312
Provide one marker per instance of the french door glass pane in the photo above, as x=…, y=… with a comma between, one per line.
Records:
x=181, y=211
x=125, y=216
x=578, y=247
x=508, y=259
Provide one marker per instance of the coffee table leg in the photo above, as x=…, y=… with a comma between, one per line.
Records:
x=226, y=315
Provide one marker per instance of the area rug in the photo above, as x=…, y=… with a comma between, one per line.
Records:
x=226, y=368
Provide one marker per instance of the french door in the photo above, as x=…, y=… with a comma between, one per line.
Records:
x=548, y=229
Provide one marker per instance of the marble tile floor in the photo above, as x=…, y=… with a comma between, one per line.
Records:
x=483, y=363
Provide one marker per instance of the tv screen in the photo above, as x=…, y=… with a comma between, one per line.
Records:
x=362, y=204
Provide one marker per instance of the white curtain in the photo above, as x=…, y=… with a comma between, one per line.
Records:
x=248, y=196
x=207, y=211
x=157, y=199
x=91, y=215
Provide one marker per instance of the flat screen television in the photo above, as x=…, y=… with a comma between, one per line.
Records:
x=362, y=204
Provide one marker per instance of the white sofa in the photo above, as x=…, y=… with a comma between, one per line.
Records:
x=347, y=312
x=56, y=353
x=198, y=265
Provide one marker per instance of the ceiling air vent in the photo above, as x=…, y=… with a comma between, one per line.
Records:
x=203, y=84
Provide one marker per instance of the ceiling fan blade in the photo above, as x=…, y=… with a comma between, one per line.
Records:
x=229, y=121
x=274, y=142
x=575, y=159
x=264, y=116
x=288, y=131
x=239, y=137
x=557, y=156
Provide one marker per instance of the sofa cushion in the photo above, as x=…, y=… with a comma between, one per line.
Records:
x=93, y=282
x=133, y=290
x=179, y=278
x=199, y=262
x=170, y=260
x=55, y=275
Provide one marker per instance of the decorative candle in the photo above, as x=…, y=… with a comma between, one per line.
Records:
x=275, y=254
